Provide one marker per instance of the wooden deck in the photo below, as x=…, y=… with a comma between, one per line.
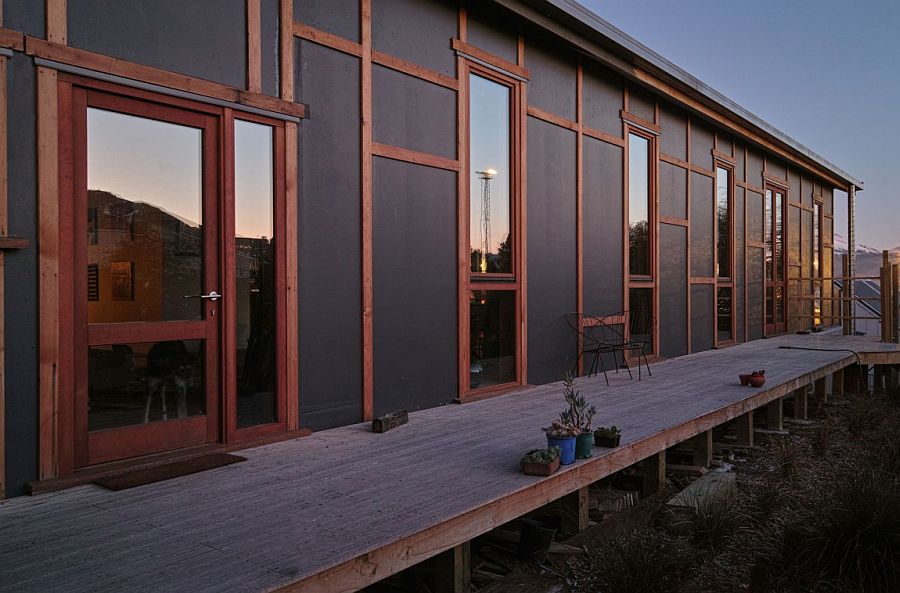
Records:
x=346, y=507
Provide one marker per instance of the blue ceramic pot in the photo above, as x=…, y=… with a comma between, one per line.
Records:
x=566, y=448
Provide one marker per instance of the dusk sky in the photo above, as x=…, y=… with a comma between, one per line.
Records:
x=825, y=72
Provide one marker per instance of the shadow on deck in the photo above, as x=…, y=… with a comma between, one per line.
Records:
x=346, y=507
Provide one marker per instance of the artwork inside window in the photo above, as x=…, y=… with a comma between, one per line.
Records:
x=640, y=303
x=122, y=280
x=638, y=205
x=492, y=337
x=490, y=234
x=724, y=305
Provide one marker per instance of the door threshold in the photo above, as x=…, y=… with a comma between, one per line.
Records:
x=95, y=472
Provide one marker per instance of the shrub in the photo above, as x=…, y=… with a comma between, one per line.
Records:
x=821, y=436
x=852, y=537
x=787, y=456
x=647, y=560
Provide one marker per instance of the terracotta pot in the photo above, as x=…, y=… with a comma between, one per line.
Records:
x=757, y=380
x=745, y=379
x=534, y=468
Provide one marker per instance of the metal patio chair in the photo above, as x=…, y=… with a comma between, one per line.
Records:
x=590, y=332
x=641, y=328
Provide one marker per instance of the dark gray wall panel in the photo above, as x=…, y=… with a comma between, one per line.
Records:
x=339, y=17
x=413, y=113
x=794, y=183
x=416, y=30
x=551, y=250
x=414, y=222
x=754, y=166
x=21, y=283
x=702, y=239
x=754, y=293
x=724, y=142
x=754, y=217
x=602, y=227
x=776, y=167
x=602, y=93
x=672, y=290
x=269, y=44
x=329, y=237
x=491, y=30
x=702, y=317
x=24, y=15
x=702, y=138
x=553, y=79
x=673, y=136
x=641, y=103
x=739, y=276
x=739, y=161
x=203, y=38
x=672, y=190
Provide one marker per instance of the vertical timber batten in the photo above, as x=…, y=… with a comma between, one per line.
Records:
x=254, y=55
x=291, y=197
x=48, y=255
x=4, y=229
x=56, y=16
x=462, y=189
x=579, y=204
x=365, y=16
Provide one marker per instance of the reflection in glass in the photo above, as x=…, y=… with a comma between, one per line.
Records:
x=143, y=218
x=144, y=382
x=770, y=305
x=638, y=206
x=723, y=220
x=489, y=175
x=254, y=273
x=817, y=247
x=723, y=313
x=768, y=230
x=492, y=337
x=779, y=237
x=640, y=303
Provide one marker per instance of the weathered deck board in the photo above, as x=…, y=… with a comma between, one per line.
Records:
x=297, y=508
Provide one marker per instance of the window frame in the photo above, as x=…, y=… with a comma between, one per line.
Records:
x=724, y=281
x=470, y=281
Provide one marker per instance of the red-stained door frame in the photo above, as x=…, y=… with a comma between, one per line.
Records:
x=78, y=447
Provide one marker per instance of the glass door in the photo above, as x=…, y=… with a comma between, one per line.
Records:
x=148, y=298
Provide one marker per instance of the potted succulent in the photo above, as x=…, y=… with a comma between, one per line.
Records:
x=541, y=462
x=607, y=437
x=757, y=378
x=562, y=435
x=579, y=415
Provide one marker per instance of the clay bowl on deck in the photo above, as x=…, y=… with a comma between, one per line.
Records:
x=745, y=379
x=757, y=380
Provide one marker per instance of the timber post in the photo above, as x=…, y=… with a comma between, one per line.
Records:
x=702, y=446
x=573, y=512
x=837, y=382
x=743, y=426
x=453, y=569
x=654, y=473
x=845, y=305
x=887, y=293
x=800, y=403
x=820, y=392
x=775, y=414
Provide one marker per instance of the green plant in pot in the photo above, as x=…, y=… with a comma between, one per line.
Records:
x=607, y=436
x=579, y=415
x=540, y=462
x=562, y=435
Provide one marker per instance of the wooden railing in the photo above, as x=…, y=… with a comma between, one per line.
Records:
x=826, y=293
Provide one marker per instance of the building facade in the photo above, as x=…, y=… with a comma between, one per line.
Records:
x=233, y=220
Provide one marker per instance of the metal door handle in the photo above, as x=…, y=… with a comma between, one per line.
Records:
x=213, y=296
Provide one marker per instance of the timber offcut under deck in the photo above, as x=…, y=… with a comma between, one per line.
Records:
x=346, y=507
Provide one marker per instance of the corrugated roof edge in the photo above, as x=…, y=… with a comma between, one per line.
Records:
x=624, y=41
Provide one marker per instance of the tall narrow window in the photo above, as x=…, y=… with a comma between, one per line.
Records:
x=638, y=205
x=775, y=260
x=724, y=281
x=816, y=267
x=492, y=279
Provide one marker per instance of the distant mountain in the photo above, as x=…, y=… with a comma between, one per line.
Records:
x=868, y=259
x=840, y=246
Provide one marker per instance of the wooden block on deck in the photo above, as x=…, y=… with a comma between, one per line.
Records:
x=389, y=421
x=775, y=415
x=654, y=469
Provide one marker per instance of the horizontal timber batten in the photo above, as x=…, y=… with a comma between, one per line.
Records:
x=413, y=156
x=489, y=59
x=316, y=530
x=12, y=39
x=553, y=119
x=90, y=61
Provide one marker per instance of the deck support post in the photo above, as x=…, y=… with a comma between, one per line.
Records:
x=573, y=512
x=654, y=473
x=453, y=569
x=775, y=415
x=702, y=446
x=800, y=402
x=851, y=378
x=820, y=393
x=837, y=382
x=743, y=427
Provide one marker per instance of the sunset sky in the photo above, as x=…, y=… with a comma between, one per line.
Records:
x=825, y=72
